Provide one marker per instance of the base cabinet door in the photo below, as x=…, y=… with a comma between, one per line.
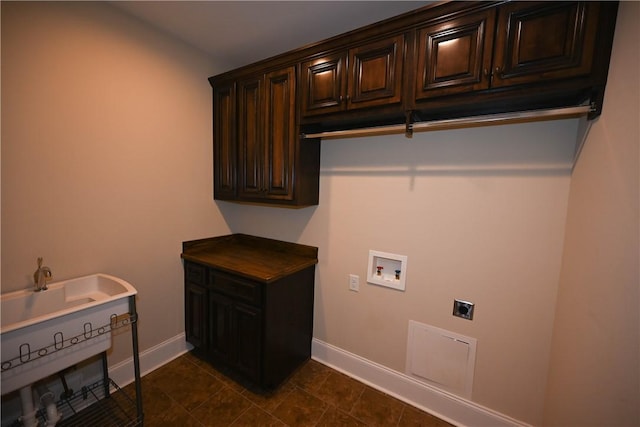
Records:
x=195, y=314
x=195, y=300
x=235, y=335
x=248, y=342
x=221, y=343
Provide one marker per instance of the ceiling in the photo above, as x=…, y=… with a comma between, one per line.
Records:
x=237, y=33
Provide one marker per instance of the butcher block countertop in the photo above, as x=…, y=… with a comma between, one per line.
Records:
x=256, y=258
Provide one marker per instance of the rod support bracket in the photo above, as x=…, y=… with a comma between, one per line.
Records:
x=408, y=121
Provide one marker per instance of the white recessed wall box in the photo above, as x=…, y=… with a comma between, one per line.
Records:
x=387, y=269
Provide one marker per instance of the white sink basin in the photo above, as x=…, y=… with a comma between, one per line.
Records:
x=44, y=332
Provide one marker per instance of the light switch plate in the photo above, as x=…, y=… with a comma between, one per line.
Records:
x=354, y=282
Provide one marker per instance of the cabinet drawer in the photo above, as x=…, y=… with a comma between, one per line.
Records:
x=196, y=273
x=244, y=290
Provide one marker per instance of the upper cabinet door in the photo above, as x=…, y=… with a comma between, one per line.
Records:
x=224, y=147
x=538, y=41
x=280, y=133
x=375, y=76
x=266, y=135
x=455, y=56
x=258, y=157
x=250, y=136
x=323, y=85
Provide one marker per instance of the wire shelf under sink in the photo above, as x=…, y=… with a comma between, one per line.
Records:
x=94, y=406
x=91, y=406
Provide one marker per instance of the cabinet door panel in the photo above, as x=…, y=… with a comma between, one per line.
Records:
x=248, y=331
x=280, y=133
x=221, y=338
x=195, y=273
x=544, y=40
x=195, y=314
x=323, y=85
x=250, y=137
x=224, y=138
x=455, y=56
x=376, y=73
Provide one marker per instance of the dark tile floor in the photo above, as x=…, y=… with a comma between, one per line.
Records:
x=189, y=392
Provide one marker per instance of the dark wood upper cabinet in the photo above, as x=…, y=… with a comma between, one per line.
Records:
x=266, y=135
x=534, y=42
x=257, y=152
x=323, y=85
x=455, y=56
x=279, y=134
x=364, y=76
x=376, y=73
x=224, y=136
x=443, y=61
x=538, y=41
x=250, y=137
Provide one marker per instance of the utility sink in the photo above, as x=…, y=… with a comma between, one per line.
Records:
x=45, y=332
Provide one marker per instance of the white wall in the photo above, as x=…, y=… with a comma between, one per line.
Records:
x=106, y=166
x=594, y=376
x=480, y=214
x=106, y=153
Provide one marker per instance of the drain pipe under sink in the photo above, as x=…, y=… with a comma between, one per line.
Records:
x=48, y=401
x=28, y=418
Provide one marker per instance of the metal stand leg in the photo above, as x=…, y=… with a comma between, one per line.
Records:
x=136, y=357
x=105, y=374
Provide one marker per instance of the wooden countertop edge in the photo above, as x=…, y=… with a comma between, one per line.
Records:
x=264, y=279
x=271, y=245
x=203, y=251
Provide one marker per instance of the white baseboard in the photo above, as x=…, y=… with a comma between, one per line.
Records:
x=449, y=407
x=150, y=359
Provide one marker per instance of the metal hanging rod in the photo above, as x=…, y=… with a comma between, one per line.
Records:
x=483, y=120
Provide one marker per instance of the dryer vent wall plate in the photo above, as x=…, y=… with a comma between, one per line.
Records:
x=463, y=309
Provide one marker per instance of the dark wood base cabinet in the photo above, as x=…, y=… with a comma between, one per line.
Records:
x=247, y=309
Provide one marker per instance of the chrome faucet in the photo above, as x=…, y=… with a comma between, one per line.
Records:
x=41, y=276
